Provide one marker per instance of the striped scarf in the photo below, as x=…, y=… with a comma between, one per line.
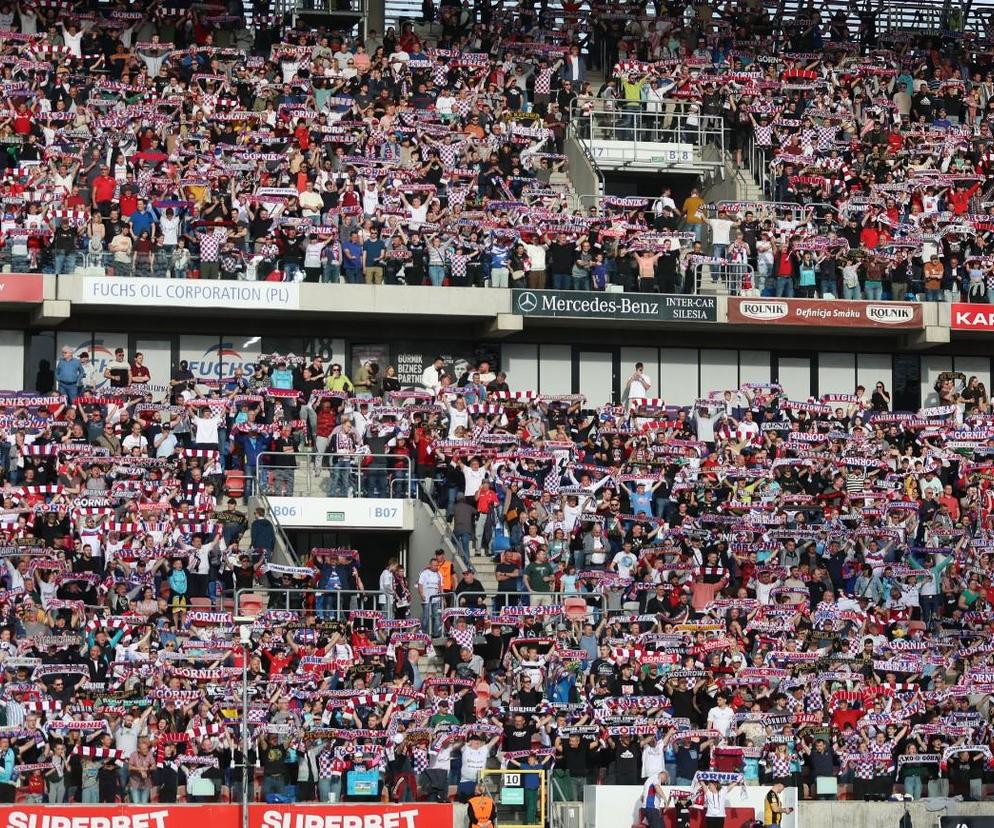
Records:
x=205, y=527
x=516, y=395
x=42, y=706
x=104, y=754
x=212, y=454
x=202, y=731
x=112, y=624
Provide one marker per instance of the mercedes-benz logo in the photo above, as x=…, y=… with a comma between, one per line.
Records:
x=527, y=302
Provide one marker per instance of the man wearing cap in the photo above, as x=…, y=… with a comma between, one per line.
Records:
x=470, y=592
x=118, y=371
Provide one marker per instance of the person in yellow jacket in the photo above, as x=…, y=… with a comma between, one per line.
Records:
x=482, y=809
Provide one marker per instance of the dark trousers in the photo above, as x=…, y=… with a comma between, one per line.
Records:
x=434, y=785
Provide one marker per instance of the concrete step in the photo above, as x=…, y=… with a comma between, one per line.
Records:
x=430, y=664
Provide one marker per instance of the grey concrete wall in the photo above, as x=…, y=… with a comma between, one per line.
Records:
x=882, y=814
x=580, y=170
x=423, y=542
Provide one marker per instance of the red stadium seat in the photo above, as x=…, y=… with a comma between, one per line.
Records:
x=250, y=603
x=234, y=483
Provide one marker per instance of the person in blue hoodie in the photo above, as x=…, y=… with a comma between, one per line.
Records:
x=8, y=786
x=252, y=444
x=178, y=587
x=262, y=535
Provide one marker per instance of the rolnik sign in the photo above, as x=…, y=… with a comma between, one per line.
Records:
x=826, y=313
x=625, y=307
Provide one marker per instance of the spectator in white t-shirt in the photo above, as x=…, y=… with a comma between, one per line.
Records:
x=458, y=416
x=653, y=757
x=638, y=385
x=429, y=587
x=721, y=233
x=473, y=475
x=135, y=440
x=747, y=431
x=474, y=759
x=205, y=429
x=720, y=718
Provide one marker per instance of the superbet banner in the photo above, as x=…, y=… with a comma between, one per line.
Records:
x=410, y=815
x=345, y=815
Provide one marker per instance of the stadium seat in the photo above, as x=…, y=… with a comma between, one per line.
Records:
x=234, y=483
x=250, y=603
x=576, y=608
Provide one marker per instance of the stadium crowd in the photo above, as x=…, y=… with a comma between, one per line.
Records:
x=169, y=141
x=749, y=589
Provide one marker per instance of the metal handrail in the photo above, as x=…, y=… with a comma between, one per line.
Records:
x=354, y=474
x=796, y=209
x=757, y=166
x=281, y=534
x=666, y=123
x=728, y=277
x=445, y=530
x=585, y=158
x=298, y=7
x=447, y=600
x=364, y=598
